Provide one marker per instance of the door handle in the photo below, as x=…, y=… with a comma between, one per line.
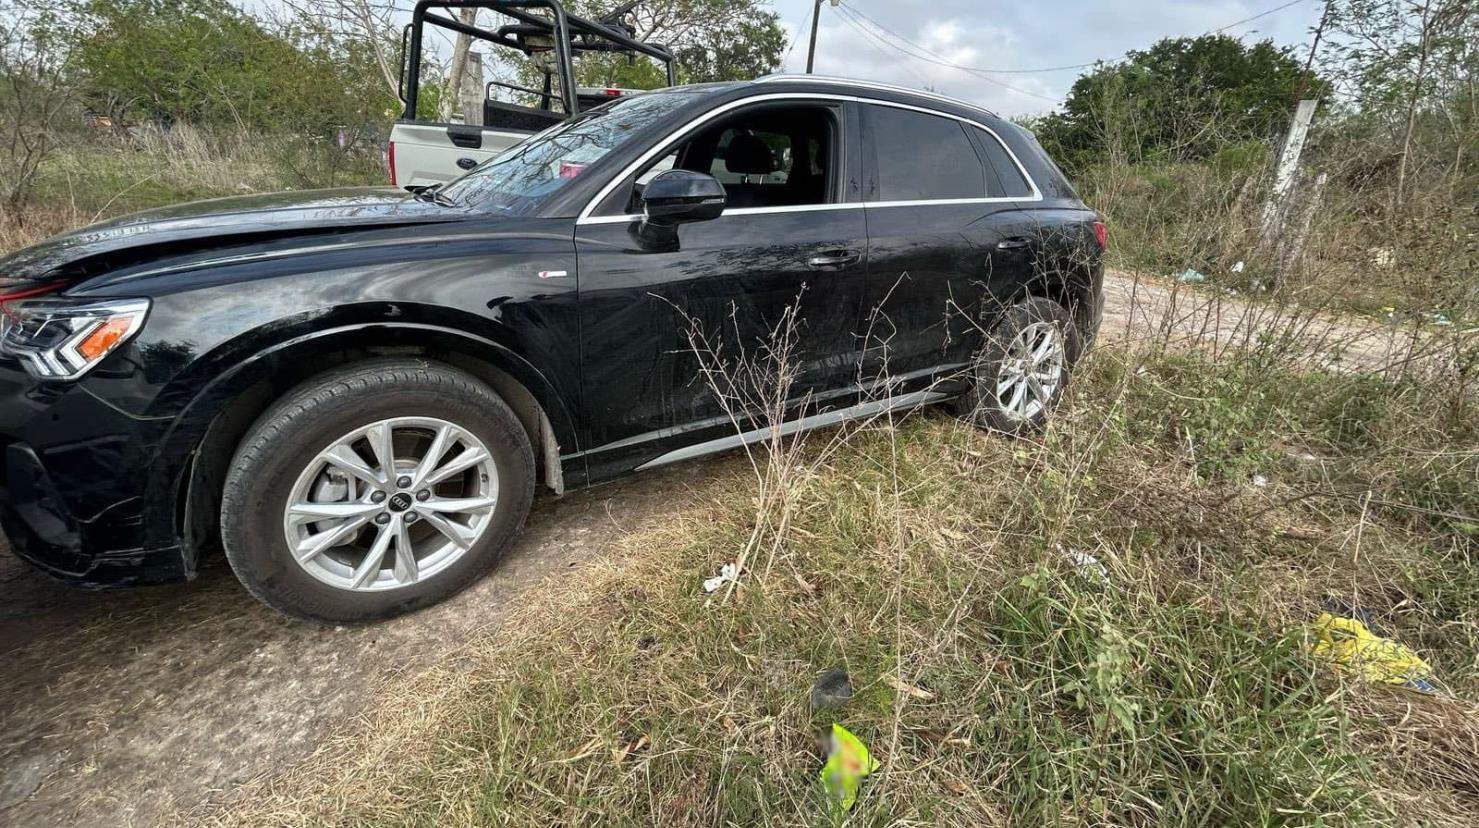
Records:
x=832, y=259
x=465, y=136
x=1014, y=243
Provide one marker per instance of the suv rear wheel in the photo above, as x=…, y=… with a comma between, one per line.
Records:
x=1022, y=370
x=374, y=490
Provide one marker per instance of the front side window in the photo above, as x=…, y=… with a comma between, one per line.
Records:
x=522, y=177
x=752, y=156
x=923, y=157
x=768, y=156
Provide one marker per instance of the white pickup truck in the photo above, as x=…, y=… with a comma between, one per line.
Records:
x=424, y=153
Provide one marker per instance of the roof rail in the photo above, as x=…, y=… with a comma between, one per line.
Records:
x=889, y=87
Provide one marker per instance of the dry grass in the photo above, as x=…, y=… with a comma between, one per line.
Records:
x=106, y=174
x=924, y=554
x=1343, y=247
x=111, y=175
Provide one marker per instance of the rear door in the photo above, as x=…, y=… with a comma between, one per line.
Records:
x=946, y=242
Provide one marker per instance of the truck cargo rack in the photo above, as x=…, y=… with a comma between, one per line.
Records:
x=541, y=26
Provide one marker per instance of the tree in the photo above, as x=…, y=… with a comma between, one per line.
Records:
x=211, y=64
x=460, y=50
x=713, y=40
x=1183, y=98
x=367, y=25
x=1404, y=62
x=35, y=101
x=745, y=46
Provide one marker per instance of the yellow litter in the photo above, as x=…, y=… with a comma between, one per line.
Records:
x=846, y=766
x=1350, y=648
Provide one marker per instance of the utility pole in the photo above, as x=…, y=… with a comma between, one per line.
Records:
x=1276, y=209
x=472, y=93
x=811, y=51
x=1309, y=63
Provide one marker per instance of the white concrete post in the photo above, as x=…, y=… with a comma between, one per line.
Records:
x=472, y=93
x=1288, y=170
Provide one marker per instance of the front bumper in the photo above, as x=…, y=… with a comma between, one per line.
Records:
x=43, y=532
x=74, y=479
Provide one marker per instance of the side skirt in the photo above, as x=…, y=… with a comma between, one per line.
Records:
x=856, y=412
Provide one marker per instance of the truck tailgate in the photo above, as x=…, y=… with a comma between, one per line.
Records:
x=426, y=154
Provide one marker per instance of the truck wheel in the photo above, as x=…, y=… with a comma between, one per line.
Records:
x=1021, y=371
x=374, y=490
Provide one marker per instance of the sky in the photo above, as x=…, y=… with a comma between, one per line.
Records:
x=1015, y=35
x=854, y=39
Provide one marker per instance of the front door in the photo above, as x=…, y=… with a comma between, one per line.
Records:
x=754, y=311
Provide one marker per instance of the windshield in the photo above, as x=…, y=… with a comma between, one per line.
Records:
x=520, y=178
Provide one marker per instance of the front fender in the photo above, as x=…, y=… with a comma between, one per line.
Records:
x=283, y=362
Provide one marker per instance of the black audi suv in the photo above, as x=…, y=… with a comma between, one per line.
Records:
x=355, y=392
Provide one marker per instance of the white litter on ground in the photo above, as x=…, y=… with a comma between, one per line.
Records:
x=727, y=573
x=1086, y=564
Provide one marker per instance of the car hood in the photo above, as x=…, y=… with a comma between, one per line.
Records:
x=216, y=222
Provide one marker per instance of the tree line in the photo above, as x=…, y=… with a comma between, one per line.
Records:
x=1397, y=73
x=310, y=66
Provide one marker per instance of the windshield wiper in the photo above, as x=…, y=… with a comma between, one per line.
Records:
x=434, y=195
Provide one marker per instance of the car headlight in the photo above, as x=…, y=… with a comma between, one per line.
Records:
x=57, y=338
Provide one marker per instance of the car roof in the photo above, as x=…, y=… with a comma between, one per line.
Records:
x=839, y=85
x=843, y=86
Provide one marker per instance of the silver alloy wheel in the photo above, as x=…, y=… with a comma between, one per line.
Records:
x=1031, y=371
x=391, y=503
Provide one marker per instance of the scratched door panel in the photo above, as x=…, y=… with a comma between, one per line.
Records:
x=731, y=280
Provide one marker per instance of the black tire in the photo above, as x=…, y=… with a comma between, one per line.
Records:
x=981, y=405
x=309, y=418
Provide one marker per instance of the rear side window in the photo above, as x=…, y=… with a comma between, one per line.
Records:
x=1013, y=185
x=923, y=157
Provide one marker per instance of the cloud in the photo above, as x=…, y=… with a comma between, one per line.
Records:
x=907, y=41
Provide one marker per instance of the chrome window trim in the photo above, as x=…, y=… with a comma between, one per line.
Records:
x=585, y=216
x=737, y=211
x=866, y=84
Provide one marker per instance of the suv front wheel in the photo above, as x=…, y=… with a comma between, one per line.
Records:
x=374, y=490
x=1021, y=372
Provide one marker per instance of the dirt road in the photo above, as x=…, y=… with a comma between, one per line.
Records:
x=1139, y=310
x=121, y=707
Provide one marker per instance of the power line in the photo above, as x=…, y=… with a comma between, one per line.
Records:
x=930, y=57
x=875, y=39
x=881, y=27
x=877, y=33
x=1256, y=16
x=800, y=31
x=979, y=71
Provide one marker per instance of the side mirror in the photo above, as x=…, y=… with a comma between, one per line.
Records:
x=678, y=196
